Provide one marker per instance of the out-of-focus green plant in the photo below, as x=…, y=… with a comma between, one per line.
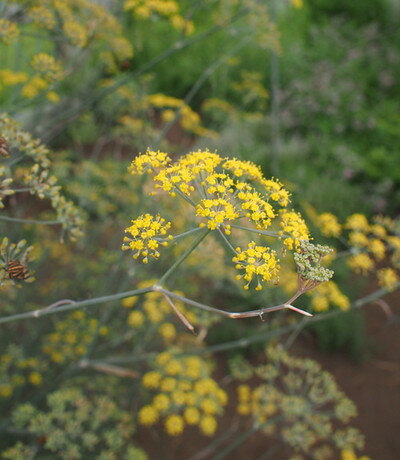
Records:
x=299, y=403
x=75, y=426
x=26, y=168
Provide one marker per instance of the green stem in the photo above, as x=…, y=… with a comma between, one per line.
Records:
x=188, y=251
x=185, y=197
x=74, y=305
x=227, y=242
x=181, y=235
x=31, y=221
x=254, y=230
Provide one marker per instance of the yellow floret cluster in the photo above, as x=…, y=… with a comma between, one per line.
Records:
x=294, y=229
x=388, y=278
x=371, y=244
x=328, y=294
x=16, y=371
x=71, y=337
x=144, y=9
x=329, y=225
x=149, y=161
x=226, y=193
x=258, y=262
x=47, y=67
x=185, y=395
x=146, y=234
x=9, y=31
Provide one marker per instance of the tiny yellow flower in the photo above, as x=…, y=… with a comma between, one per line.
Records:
x=208, y=425
x=174, y=425
x=129, y=302
x=151, y=379
x=136, y=319
x=191, y=415
x=148, y=415
x=35, y=378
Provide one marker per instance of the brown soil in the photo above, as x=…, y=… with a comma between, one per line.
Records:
x=374, y=385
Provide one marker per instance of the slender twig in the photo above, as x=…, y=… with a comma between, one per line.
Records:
x=255, y=230
x=227, y=242
x=78, y=304
x=234, y=315
x=31, y=221
x=184, y=320
x=188, y=251
x=59, y=303
x=181, y=235
x=108, y=369
x=185, y=197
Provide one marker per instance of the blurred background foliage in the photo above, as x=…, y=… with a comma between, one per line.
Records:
x=308, y=89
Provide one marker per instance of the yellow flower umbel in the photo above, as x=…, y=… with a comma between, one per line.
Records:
x=186, y=394
x=8, y=31
x=387, y=277
x=328, y=294
x=294, y=229
x=47, y=67
x=226, y=193
x=145, y=233
x=357, y=222
x=71, y=337
x=329, y=224
x=257, y=261
x=149, y=161
x=361, y=263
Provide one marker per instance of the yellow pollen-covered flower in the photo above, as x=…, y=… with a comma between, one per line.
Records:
x=358, y=239
x=294, y=229
x=377, y=248
x=76, y=33
x=208, y=425
x=167, y=331
x=329, y=224
x=136, y=319
x=151, y=379
x=9, y=31
x=144, y=231
x=129, y=302
x=148, y=415
x=257, y=261
x=35, y=378
x=217, y=211
x=388, y=278
x=42, y=16
x=357, y=222
x=191, y=415
x=148, y=162
x=47, y=67
x=174, y=425
x=161, y=402
x=361, y=263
